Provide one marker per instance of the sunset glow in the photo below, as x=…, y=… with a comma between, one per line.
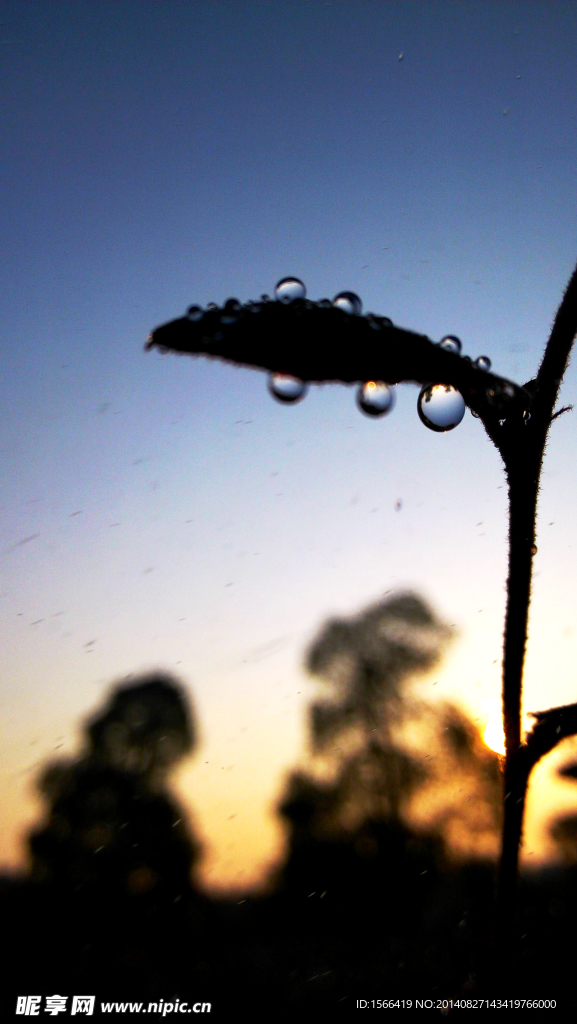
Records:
x=493, y=736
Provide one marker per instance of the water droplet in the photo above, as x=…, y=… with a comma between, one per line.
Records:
x=475, y=414
x=508, y=391
x=289, y=288
x=324, y=303
x=286, y=388
x=534, y=549
x=349, y=302
x=375, y=398
x=483, y=362
x=230, y=311
x=265, y=298
x=194, y=313
x=212, y=305
x=526, y=416
x=451, y=344
x=441, y=407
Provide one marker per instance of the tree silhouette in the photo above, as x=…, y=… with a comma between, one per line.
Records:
x=369, y=662
x=368, y=349
x=113, y=857
x=355, y=845
x=383, y=645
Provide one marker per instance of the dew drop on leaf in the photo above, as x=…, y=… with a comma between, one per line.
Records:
x=289, y=288
x=286, y=388
x=483, y=362
x=441, y=407
x=194, y=313
x=349, y=302
x=375, y=398
x=451, y=344
x=230, y=311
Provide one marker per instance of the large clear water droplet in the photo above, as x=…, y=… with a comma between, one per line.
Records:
x=349, y=302
x=441, y=407
x=286, y=388
x=289, y=288
x=375, y=398
x=195, y=313
x=451, y=344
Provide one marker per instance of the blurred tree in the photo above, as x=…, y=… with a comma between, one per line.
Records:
x=112, y=861
x=366, y=735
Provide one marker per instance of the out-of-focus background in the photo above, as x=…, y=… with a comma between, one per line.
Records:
x=164, y=513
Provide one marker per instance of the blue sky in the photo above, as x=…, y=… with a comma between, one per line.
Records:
x=160, y=154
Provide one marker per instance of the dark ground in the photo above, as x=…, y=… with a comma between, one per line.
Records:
x=370, y=911
x=340, y=927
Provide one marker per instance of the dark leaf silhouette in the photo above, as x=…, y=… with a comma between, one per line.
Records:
x=362, y=348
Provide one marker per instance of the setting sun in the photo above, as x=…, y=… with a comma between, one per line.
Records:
x=493, y=736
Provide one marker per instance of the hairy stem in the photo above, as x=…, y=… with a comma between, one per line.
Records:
x=523, y=485
x=522, y=448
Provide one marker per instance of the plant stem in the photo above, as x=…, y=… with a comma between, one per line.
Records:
x=523, y=486
x=522, y=447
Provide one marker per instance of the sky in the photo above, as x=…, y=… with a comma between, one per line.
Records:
x=164, y=512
